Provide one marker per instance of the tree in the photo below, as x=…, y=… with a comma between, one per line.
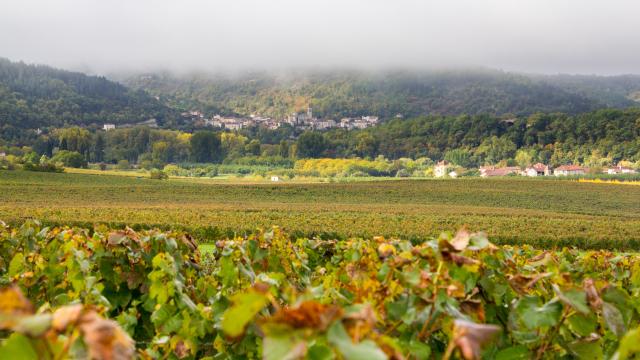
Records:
x=283, y=148
x=459, y=157
x=98, y=147
x=525, y=157
x=494, y=149
x=160, y=152
x=253, y=147
x=311, y=145
x=205, y=146
x=70, y=159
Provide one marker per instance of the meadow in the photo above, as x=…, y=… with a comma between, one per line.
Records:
x=510, y=210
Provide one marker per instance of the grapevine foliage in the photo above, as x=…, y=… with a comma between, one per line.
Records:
x=70, y=292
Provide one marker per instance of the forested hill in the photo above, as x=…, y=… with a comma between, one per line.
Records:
x=352, y=93
x=34, y=96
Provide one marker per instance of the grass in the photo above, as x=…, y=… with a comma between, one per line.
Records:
x=510, y=210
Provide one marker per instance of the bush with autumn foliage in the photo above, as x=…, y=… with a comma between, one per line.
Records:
x=70, y=292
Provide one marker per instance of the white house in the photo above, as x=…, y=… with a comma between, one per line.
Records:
x=3, y=155
x=107, y=127
x=453, y=174
x=566, y=170
x=619, y=169
x=538, y=169
x=275, y=178
x=440, y=169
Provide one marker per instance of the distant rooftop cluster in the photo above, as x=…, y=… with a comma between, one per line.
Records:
x=302, y=120
x=445, y=168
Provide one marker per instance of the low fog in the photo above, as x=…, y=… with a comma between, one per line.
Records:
x=539, y=36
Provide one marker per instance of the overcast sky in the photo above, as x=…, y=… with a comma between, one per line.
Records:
x=548, y=36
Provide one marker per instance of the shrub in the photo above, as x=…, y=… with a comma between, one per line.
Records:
x=158, y=174
x=123, y=165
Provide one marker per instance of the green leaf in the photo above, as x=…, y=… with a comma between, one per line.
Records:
x=18, y=346
x=513, y=353
x=283, y=347
x=320, y=352
x=629, y=345
x=16, y=265
x=613, y=318
x=419, y=350
x=245, y=307
x=587, y=350
x=576, y=299
x=583, y=325
x=364, y=350
x=34, y=325
x=228, y=271
x=534, y=316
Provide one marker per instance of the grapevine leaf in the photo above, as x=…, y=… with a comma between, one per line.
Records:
x=629, y=345
x=320, y=352
x=574, y=298
x=18, y=346
x=245, y=307
x=534, y=316
x=518, y=352
x=364, y=350
x=16, y=266
x=613, y=318
x=588, y=350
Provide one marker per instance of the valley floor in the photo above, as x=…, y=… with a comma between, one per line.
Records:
x=538, y=212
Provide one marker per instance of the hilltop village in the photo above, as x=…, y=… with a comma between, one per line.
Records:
x=301, y=120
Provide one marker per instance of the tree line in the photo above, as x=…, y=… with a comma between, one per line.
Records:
x=598, y=138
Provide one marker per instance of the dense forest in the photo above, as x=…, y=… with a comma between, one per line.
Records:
x=33, y=96
x=337, y=93
x=597, y=139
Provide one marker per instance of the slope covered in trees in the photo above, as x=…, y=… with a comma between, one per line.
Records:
x=410, y=93
x=34, y=96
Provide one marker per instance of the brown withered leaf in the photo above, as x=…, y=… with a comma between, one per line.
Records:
x=473, y=308
x=65, y=316
x=13, y=305
x=105, y=339
x=469, y=337
x=190, y=242
x=521, y=282
x=593, y=298
x=459, y=259
x=309, y=314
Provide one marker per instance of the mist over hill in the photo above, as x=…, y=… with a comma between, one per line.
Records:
x=386, y=94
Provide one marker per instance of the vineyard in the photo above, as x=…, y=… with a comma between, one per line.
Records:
x=115, y=294
x=512, y=211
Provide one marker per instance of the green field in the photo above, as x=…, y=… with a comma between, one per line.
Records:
x=544, y=213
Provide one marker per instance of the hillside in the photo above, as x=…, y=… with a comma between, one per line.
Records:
x=34, y=96
x=351, y=93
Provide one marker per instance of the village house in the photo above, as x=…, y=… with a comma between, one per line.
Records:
x=490, y=171
x=538, y=169
x=441, y=168
x=3, y=155
x=275, y=178
x=567, y=170
x=619, y=169
x=107, y=127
